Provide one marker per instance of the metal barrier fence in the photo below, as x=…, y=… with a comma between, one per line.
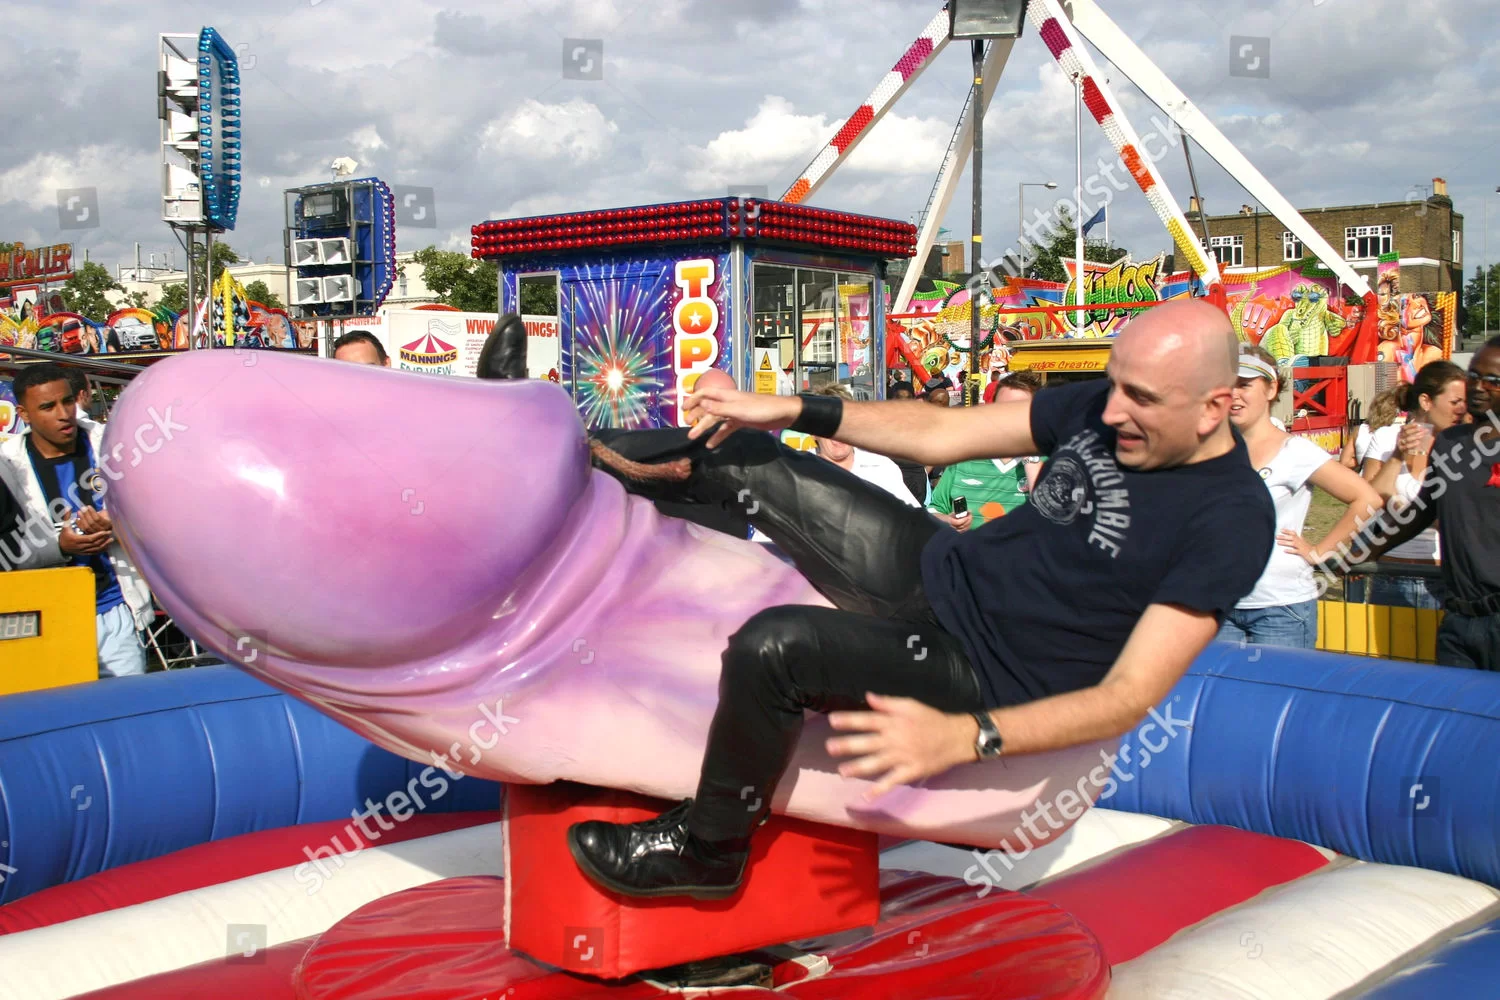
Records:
x=1379, y=630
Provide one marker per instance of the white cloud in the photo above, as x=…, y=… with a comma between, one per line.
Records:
x=109, y=169
x=576, y=131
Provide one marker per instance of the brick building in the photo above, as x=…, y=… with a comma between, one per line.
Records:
x=1426, y=236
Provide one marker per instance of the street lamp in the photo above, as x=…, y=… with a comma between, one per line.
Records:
x=1486, y=265
x=976, y=21
x=1021, y=199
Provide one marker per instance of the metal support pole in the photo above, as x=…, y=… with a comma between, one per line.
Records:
x=977, y=222
x=1187, y=151
x=208, y=287
x=192, y=300
x=1078, y=295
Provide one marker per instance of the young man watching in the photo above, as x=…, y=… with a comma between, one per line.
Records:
x=1061, y=624
x=990, y=487
x=362, y=348
x=54, y=467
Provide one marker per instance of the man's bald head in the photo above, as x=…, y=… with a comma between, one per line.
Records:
x=1191, y=338
x=1174, y=370
x=714, y=378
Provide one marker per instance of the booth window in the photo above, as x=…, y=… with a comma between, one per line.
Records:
x=817, y=324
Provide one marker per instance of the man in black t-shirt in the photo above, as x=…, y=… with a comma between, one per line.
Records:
x=1461, y=492
x=1061, y=623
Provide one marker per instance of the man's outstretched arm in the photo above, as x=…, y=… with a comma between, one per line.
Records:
x=902, y=740
x=913, y=430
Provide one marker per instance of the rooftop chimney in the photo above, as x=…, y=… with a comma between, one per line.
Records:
x=1193, y=207
x=1439, y=188
x=1247, y=209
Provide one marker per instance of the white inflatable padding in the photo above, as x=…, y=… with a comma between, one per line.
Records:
x=1096, y=833
x=1308, y=940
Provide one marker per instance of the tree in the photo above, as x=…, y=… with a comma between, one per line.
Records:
x=459, y=280
x=136, y=300
x=539, y=298
x=223, y=256
x=174, y=297
x=84, y=292
x=257, y=291
x=1474, y=303
x=1048, y=262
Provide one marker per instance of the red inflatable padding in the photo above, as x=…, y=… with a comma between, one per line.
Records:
x=935, y=938
x=560, y=917
x=1136, y=900
x=213, y=863
x=267, y=976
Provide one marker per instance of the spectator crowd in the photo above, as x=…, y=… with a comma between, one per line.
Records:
x=1418, y=483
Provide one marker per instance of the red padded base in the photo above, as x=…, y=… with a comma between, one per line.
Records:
x=445, y=941
x=560, y=917
x=1137, y=900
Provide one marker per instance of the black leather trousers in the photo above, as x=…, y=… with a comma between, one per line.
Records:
x=859, y=546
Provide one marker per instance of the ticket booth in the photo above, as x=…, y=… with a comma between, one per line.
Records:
x=783, y=297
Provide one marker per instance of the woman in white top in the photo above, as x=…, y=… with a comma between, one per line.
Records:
x=1434, y=403
x=1282, y=610
x=1372, y=433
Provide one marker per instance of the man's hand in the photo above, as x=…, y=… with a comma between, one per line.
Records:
x=956, y=523
x=91, y=521
x=724, y=411
x=73, y=543
x=901, y=740
x=1414, y=441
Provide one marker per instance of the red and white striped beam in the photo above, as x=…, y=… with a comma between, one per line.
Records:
x=917, y=58
x=1067, y=48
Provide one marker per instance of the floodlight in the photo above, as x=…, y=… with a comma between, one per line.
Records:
x=305, y=253
x=307, y=291
x=334, y=251
x=339, y=288
x=986, y=18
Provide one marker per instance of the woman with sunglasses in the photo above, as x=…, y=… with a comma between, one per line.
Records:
x=1434, y=402
x=1282, y=610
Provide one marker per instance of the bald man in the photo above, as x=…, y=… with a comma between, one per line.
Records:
x=1062, y=623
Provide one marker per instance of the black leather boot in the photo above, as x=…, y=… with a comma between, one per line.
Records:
x=504, y=353
x=657, y=857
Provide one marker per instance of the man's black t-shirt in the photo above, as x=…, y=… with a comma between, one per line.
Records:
x=1463, y=488
x=1044, y=598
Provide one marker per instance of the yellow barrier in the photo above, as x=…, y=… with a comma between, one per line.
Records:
x=47, y=635
x=1378, y=630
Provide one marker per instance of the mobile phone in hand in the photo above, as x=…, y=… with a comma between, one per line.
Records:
x=960, y=506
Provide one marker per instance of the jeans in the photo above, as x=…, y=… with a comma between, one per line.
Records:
x=120, y=651
x=1469, y=641
x=1397, y=591
x=1293, y=625
x=858, y=545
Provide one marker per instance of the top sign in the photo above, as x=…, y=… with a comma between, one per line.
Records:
x=20, y=266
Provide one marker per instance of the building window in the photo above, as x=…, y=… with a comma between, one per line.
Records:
x=1291, y=247
x=1229, y=251
x=1365, y=242
x=1458, y=246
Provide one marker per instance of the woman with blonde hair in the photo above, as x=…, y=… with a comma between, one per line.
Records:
x=1372, y=434
x=1282, y=610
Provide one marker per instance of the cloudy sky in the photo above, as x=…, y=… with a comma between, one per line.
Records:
x=1367, y=100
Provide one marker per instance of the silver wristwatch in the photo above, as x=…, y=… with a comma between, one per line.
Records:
x=988, y=744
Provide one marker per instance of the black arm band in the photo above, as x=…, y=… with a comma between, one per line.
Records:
x=820, y=417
